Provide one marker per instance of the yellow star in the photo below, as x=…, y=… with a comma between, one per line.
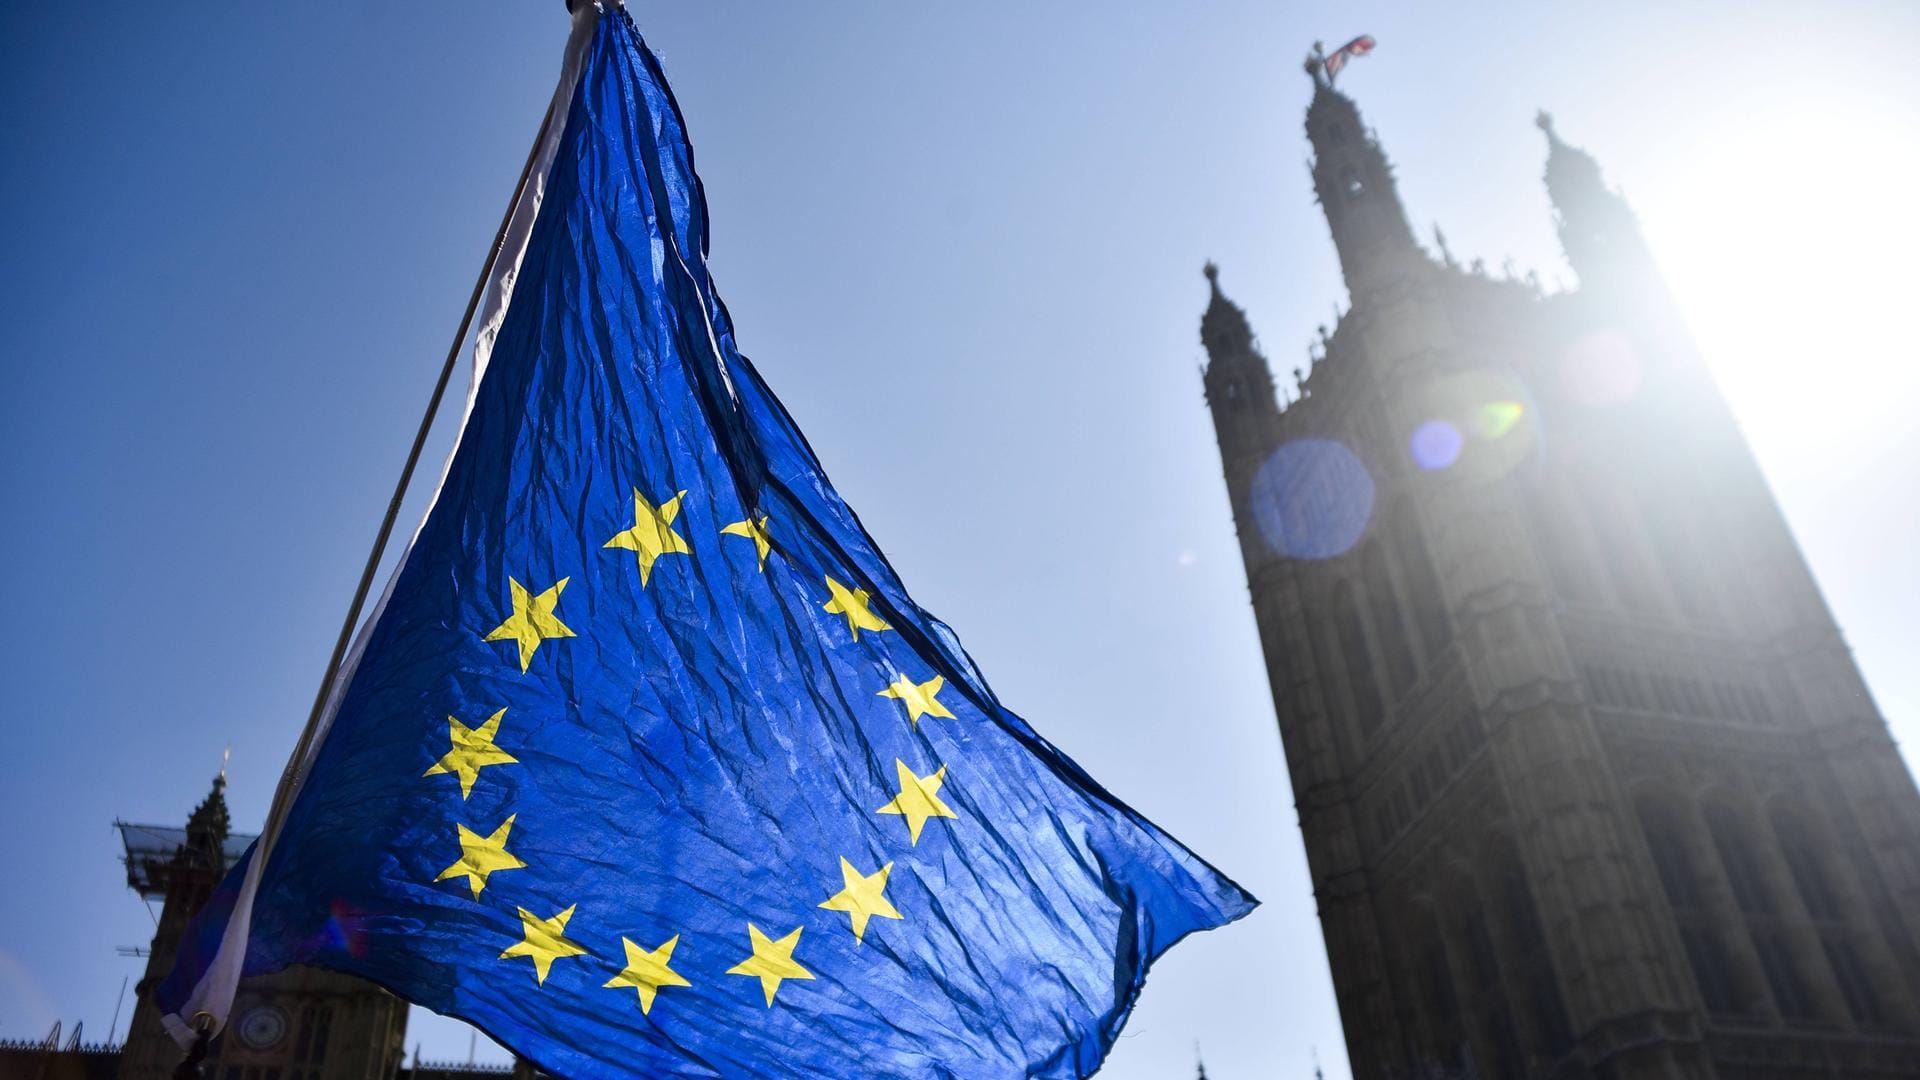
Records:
x=923, y=699
x=647, y=972
x=853, y=604
x=482, y=855
x=532, y=621
x=652, y=534
x=772, y=961
x=755, y=531
x=863, y=898
x=545, y=941
x=472, y=751
x=919, y=798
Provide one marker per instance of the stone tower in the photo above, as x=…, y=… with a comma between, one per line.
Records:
x=298, y=1024
x=1589, y=783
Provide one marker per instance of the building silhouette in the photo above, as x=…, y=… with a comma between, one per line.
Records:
x=298, y=1024
x=1589, y=782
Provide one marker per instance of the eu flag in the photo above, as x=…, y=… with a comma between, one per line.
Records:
x=647, y=763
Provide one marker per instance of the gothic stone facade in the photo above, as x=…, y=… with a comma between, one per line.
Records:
x=298, y=1024
x=1589, y=783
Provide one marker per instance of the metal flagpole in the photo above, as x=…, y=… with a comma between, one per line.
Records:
x=400, y=489
x=203, y=1022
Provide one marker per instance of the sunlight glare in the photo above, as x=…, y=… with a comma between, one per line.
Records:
x=1789, y=239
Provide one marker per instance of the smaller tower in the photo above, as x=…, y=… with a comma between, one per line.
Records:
x=297, y=1024
x=1238, y=381
x=180, y=868
x=1598, y=230
x=1239, y=387
x=1355, y=186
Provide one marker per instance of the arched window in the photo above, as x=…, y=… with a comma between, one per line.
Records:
x=1806, y=864
x=1700, y=937
x=1664, y=842
x=1740, y=861
x=1423, y=585
x=1552, y=1033
x=1745, y=876
x=1813, y=879
x=303, y=1045
x=316, y=1024
x=1388, y=627
x=1483, y=974
x=1783, y=976
x=1431, y=976
x=1863, y=1001
x=1357, y=655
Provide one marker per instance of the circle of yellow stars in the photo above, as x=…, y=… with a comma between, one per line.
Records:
x=534, y=620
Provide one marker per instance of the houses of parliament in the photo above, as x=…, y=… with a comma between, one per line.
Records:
x=1589, y=783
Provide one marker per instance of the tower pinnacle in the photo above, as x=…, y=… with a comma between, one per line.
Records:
x=1354, y=183
x=1238, y=381
x=208, y=827
x=1223, y=328
x=1598, y=231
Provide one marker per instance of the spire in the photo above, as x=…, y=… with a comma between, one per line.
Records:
x=1598, y=231
x=208, y=827
x=1223, y=328
x=1572, y=176
x=1354, y=182
x=1238, y=381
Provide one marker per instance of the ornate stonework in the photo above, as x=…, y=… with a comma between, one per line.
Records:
x=1589, y=783
x=298, y=1024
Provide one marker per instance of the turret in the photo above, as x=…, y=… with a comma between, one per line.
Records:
x=1239, y=383
x=1598, y=231
x=207, y=829
x=180, y=868
x=1354, y=183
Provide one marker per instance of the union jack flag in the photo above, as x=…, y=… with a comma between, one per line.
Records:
x=1337, y=59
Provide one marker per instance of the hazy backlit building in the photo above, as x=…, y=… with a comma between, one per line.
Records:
x=298, y=1024
x=1589, y=782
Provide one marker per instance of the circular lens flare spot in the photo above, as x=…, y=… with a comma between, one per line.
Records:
x=1313, y=499
x=1600, y=369
x=1435, y=444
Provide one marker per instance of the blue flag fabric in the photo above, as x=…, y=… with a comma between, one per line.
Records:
x=649, y=765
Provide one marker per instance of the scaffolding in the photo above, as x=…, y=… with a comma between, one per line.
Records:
x=154, y=853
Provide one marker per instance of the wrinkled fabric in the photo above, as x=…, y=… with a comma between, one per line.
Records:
x=707, y=746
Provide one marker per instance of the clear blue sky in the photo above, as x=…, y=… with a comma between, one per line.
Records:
x=239, y=239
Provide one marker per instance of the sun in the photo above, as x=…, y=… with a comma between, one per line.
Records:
x=1789, y=237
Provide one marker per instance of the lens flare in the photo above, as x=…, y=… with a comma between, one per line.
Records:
x=343, y=931
x=1496, y=418
x=1600, y=369
x=1313, y=499
x=1435, y=444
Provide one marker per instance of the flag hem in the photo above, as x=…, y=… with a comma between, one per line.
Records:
x=212, y=995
